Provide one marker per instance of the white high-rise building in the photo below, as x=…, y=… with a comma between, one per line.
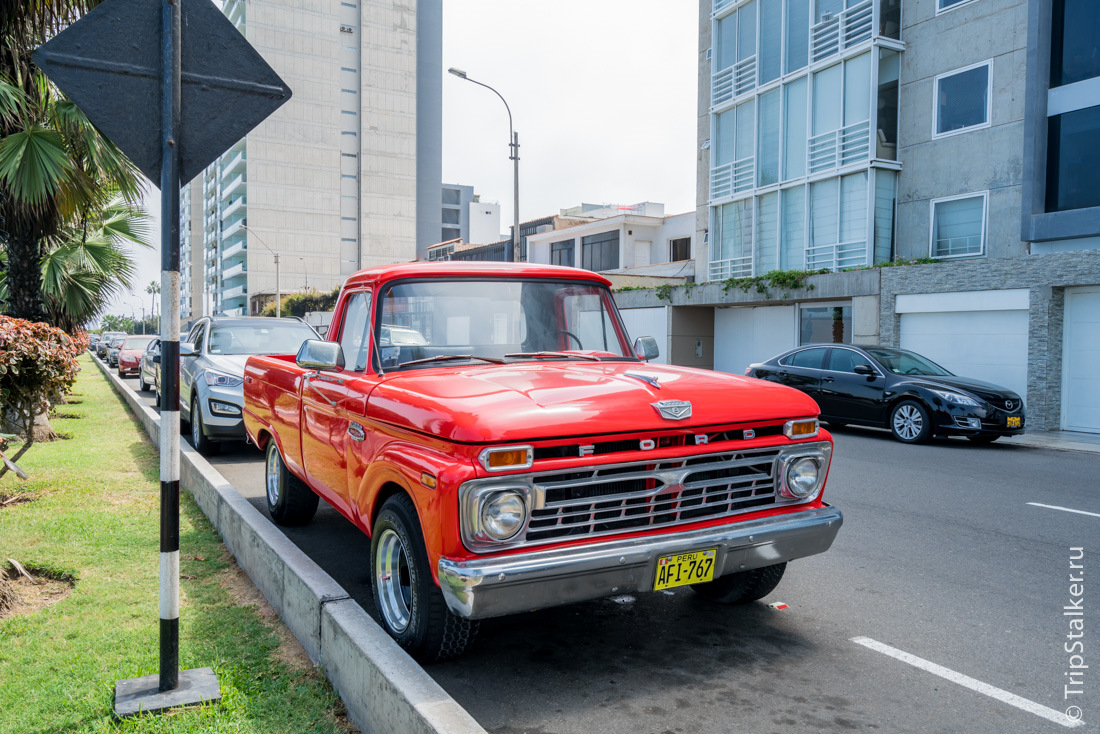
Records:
x=329, y=181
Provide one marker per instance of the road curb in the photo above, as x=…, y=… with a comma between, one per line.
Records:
x=382, y=686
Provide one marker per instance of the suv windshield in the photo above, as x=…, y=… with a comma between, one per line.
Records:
x=263, y=337
x=901, y=362
x=494, y=319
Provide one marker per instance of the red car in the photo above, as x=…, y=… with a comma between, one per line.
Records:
x=506, y=448
x=129, y=353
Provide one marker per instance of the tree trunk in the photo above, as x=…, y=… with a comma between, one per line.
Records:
x=24, y=274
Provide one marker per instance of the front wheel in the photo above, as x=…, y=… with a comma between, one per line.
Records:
x=142, y=384
x=409, y=604
x=199, y=439
x=910, y=422
x=289, y=500
x=742, y=587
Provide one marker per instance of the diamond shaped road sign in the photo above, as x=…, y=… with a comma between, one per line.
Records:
x=109, y=63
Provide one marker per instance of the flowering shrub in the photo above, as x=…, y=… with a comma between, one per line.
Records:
x=37, y=362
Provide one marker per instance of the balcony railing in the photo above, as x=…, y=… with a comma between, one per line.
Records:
x=235, y=292
x=720, y=5
x=733, y=81
x=233, y=272
x=841, y=31
x=737, y=267
x=732, y=178
x=838, y=148
x=231, y=188
x=229, y=168
x=236, y=249
x=837, y=257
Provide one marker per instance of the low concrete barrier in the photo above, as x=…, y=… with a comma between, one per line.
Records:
x=383, y=688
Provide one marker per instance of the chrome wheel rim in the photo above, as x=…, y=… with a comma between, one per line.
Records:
x=196, y=425
x=392, y=580
x=271, y=476
x=908, y=422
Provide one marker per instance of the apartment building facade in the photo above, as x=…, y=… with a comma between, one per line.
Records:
x=838, y=134
x=329, y=181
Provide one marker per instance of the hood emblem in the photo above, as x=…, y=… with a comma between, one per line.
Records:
x=1010, y=404
x=648, y=379
x=356, y=432
x=674, y=410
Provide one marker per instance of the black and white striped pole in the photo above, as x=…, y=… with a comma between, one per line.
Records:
x=170, y=347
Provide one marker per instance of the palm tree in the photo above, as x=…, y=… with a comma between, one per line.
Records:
x=154, y=290
x=56, y=169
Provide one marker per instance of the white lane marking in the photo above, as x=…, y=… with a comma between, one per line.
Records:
x=967, y=682
x=1065, y=509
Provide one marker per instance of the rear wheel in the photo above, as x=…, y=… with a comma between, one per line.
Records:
x=289, y=500
x=409, y=604
x=742, y=587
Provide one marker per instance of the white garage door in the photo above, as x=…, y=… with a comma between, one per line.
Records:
x=746, y=335
x=648, y=322
x=1081, y=355
x=985, y=345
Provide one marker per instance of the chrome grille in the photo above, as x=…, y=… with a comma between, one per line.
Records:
x=620, y=498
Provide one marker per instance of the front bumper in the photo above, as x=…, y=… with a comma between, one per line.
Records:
x=493, y=587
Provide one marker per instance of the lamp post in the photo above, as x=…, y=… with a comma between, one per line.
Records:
x=513, y=144
x=278, y=294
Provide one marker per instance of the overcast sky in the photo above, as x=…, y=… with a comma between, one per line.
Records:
x=603, y=96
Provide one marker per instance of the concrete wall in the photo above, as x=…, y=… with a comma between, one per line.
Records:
x=986, y=159
x=429, y=123
x=691, y=336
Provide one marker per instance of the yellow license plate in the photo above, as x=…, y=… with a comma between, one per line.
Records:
x=1013, y=421
x=681, y=569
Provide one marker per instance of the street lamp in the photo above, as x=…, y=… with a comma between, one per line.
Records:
x=278, y=295
x=513, y=144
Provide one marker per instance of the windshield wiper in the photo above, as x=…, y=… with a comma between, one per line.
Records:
x=451, y=357
x=567, y=355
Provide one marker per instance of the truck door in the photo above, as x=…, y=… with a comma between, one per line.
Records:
x=333, y=404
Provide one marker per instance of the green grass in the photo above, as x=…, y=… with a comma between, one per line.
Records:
x=96, y=518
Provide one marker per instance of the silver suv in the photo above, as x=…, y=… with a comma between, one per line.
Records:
x=212, y=359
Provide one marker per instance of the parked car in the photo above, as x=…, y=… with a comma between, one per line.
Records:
x=896, y=389
x=105, y=341
x=129, y=354
x=507, y=448
x=112, y=350
x=93, y=340
x=212, y=371
x=148, y=368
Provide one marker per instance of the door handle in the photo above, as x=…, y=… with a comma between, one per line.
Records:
x=827, y=379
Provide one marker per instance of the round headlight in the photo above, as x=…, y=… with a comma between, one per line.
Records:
x=802, y=476
x=502, y=515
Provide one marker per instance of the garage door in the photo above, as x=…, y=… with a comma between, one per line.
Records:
x=746, y=335
x=648, y=322
x=1081, y=355
x=985, y=345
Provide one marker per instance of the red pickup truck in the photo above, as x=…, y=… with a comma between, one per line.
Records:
x=506, y=448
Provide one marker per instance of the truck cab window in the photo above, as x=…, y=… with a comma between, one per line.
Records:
x=354, y=332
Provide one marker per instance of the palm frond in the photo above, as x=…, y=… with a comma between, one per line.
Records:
x=33, y=164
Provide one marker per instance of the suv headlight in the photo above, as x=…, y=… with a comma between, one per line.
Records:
x=220, y=379
x=800, y=475
x=956, y=398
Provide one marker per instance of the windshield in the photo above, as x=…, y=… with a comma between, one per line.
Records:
x=497, y=319
x=137, y=342
x=262, y=337
x=901, y=362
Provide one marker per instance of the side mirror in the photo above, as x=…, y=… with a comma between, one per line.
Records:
x=645, y=348
x=156, y=359
x=187, y=350
x=318, y=355
x=863, y=369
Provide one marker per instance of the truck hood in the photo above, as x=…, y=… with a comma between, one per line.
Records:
x=526, y=402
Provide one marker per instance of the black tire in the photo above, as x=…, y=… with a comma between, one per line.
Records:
x=742, y=587
x=910, y=422
x=289, y=500
x=156, y=395
x=411, y=606
x=143, y=386
x=203, y=444
x=983, y=439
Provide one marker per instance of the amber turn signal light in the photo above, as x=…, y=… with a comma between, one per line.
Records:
x=507, y=457
x=800, y=429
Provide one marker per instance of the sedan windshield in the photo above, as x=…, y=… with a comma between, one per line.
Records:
x=902, y=362
x=491, y=320
x=137, y=342
x=263, y=337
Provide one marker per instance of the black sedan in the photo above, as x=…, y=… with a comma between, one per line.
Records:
x=896, y=389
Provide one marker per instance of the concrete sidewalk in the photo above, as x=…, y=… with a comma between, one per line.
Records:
x=1059, y=440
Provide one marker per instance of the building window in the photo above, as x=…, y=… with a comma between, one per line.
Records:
x=942, y=5
x=1073, y=160
x=962, y=100
x=825, y=325
x=600, y=251
x=958, y=226
x=1074, y=54
x=561, y=253
x=680, y=249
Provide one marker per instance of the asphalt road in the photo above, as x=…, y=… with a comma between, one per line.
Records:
x=941, y=557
